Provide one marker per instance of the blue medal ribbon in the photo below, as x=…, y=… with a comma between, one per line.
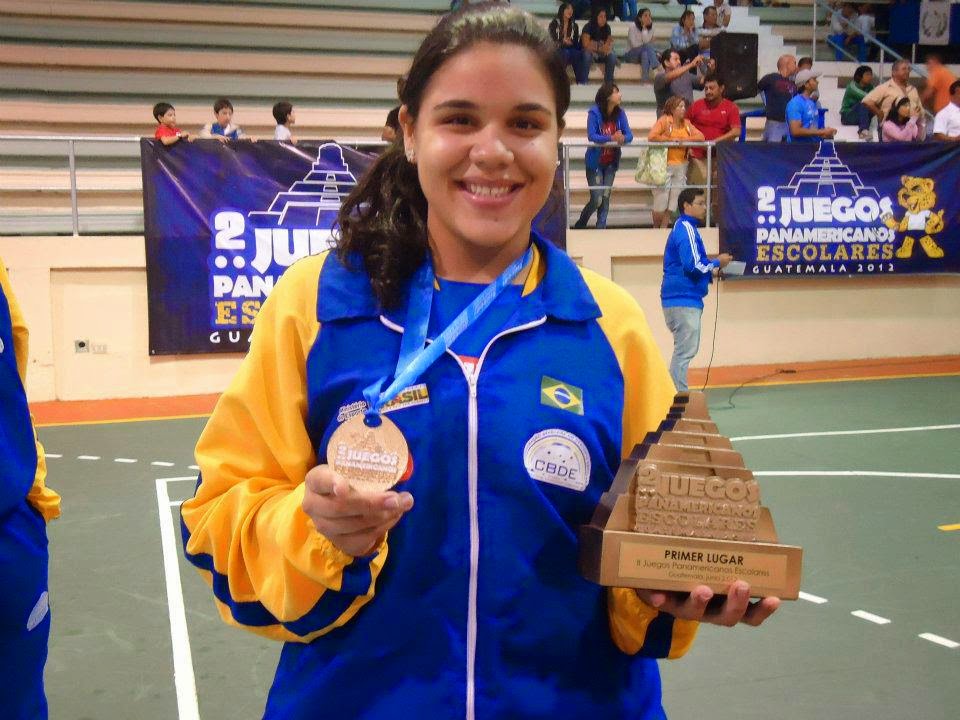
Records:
x=414, y=357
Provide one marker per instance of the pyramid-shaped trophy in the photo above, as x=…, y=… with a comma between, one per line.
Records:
x=684, y=511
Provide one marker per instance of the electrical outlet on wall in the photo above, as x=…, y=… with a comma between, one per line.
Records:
x=81, y=346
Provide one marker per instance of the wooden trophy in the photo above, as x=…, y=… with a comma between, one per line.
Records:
x=684, y=511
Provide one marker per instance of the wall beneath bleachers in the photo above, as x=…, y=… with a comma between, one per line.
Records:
x=94, y=289
x=787, y=320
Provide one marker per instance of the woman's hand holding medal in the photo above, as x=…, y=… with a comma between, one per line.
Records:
x=353, y=520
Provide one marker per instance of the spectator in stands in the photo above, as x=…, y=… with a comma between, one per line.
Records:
x=597, y=43
x=685, y=38
x=806, y=63
x=881, y=99
x=676, y=79
x=687, y=274
x=566, y=34
x=391, y=128
x=852, y=109
x=724, y=13
x=946, y=125
x=672, y=126
x=710, y=29
x=845, y=35
x=167, y=131
x=718, y=119
x=936, y=92
x=606, y=123
x=222, y=128
x=802, y=114
x=640, y=40
x=778, y=88
x=901, y=124
x=867, y=25
x=625, y=9
x=283, y=114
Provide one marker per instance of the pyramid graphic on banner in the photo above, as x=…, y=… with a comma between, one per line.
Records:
x=826, y=176
x=321, y=191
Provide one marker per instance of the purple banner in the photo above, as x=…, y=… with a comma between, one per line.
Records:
x=223, y=221
x=819, y=209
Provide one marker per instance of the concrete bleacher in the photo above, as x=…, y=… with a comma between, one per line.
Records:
x=95, y=67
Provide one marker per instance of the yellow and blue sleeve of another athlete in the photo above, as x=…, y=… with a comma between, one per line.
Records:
x=245, y=528
x=648, y=394
x=45, y=500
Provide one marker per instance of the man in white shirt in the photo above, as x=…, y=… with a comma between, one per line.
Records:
x=866, y=22
x=946, y=125
x=724, y=13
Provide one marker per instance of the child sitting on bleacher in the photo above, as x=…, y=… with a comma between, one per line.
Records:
x=283, y=114
x=223, y=129
x=167, y=131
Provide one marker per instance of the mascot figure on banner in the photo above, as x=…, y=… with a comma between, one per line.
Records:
x=918, y=199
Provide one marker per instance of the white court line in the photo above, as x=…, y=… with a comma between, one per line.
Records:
x=812, y=598
x=919, y=428
x=864, y=615
x=194, y=467
x=855, y=473
x=940, y=640
x=161, y=463
x=124, y=460
x=52, y=455
x=183, y=677
x=88, y=457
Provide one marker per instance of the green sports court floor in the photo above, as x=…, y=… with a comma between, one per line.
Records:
x=864, y=475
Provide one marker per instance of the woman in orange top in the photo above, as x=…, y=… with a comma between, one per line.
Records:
x=672, y=126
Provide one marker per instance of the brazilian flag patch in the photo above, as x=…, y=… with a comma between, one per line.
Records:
x=563, y=396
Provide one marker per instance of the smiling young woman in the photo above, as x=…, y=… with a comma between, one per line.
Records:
x=515, y=383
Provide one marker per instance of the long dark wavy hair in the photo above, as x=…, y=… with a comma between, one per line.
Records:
x=602, y=99
x=383, y=222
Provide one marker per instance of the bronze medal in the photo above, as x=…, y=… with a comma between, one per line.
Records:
x=371, y=459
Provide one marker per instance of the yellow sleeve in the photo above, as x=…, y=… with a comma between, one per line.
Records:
x=244, y=529
x=45, y=500
x=648, y=394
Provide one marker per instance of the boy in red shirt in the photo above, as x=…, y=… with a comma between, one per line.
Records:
x=167, y=131
x=719, y=120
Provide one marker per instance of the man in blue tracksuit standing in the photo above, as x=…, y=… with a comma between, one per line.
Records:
x=687, y=274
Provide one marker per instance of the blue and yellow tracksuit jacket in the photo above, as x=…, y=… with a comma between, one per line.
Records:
x=23, y=470
x=687, y=270
x=26, y=504
x=472, y=606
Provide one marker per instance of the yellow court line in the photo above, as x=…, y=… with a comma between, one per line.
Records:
x=123, y=420
x=948, y=528
x=830, y=380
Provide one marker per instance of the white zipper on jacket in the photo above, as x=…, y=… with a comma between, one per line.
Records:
x=473, y=499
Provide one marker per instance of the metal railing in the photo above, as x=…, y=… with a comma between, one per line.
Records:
x=628, y=150
x=884, y=49
x=71, y=154
x=71, y=151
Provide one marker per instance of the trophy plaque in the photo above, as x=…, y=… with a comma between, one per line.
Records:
x=684, y=511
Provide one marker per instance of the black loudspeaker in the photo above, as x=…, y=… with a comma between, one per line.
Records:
x=736, y=56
